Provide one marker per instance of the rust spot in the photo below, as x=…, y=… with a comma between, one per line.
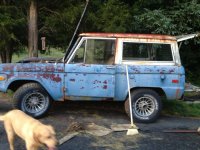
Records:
x=171, y=70
x=8, y=68
x=177, y=93
x=136, y=70
x=148, y=69
x=96, y=82
x=72, y=80
x=105, y=87
x=128, y=35
x=10, y=75
x=105, y=82
x=60, y=69
x=53, y=77
x=49, y=68
x=85, y=65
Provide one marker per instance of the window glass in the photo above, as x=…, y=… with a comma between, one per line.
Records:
x=95, y=51
x=79, y=56
x=147, y=51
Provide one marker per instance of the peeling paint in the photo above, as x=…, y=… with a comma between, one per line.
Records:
x=105, y=82
x=105, y=87
x=72, y=80
x=52, y=77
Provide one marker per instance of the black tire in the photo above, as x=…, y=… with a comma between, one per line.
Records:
x=32, y=99
x=146, y=105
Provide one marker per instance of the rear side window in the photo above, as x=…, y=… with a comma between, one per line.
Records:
x=147, y=51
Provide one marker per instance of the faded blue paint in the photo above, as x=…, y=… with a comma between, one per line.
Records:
x=107, y=81
x=50, y=76
x=151, y=77
x=90, y=80
x=95, y=82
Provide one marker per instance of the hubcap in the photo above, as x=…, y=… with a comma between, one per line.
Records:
x=145, y=106
x=34, y=102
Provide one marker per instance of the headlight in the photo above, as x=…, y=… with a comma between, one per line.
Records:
x=2, y=77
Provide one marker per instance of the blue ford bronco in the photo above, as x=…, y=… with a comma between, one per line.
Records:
x=95, y=69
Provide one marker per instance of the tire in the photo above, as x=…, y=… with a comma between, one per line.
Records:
x=146, y=105
x=32, y=99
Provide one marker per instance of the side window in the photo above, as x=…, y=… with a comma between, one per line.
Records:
x=95, y=51
x=100, y=51
x=79, y=55
x=147, y=51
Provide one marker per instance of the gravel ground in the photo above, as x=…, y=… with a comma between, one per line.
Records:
x=150, y=137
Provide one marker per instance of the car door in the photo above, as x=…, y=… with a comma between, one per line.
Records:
x=90, y=72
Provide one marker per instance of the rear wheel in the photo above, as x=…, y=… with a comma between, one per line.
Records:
x=32, y=99
x=146, y=105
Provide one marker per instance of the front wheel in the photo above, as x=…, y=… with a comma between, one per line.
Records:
x=32, y=99
x=146, y=105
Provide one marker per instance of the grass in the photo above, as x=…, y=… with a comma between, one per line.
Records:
x=55, y=53
x=180, y=108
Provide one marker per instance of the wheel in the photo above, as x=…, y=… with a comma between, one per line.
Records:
x=32, y=99
x=146, y=105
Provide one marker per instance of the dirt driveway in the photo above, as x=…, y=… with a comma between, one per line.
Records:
x=150, y=137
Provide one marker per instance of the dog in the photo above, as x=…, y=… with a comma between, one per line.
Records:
x=32, y=131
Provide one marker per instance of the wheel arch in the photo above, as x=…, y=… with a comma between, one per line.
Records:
x=13, y=86
x=160, y=91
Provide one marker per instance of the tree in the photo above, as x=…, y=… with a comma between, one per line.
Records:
x=111, y=16
x=177, y=19
x=12, y=22
x=59, y=20
x=33, y=29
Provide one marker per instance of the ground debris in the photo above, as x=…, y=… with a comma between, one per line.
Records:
x=97, y=130
x=91, y=128
x=75, y=127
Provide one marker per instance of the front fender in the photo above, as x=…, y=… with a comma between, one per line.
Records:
x=51, y=82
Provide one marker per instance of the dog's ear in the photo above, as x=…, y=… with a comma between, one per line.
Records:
x=51, y=129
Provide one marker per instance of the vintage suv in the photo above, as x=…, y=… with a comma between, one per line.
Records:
x=95, y=69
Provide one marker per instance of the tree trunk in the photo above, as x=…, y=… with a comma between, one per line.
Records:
x=33, y=29
x=6, y=54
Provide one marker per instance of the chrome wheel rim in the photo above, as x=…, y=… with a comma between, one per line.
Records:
x=35, y=102
x=145, y=106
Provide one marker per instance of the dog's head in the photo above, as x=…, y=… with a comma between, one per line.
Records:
x=45, y=134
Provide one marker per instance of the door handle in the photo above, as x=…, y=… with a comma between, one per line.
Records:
x=162, y=76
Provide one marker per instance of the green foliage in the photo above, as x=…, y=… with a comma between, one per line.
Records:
x=12, y=21
x=174, y=20
x=154, y=21
x=113, y=16
x=60, y=23
x=179, y=108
